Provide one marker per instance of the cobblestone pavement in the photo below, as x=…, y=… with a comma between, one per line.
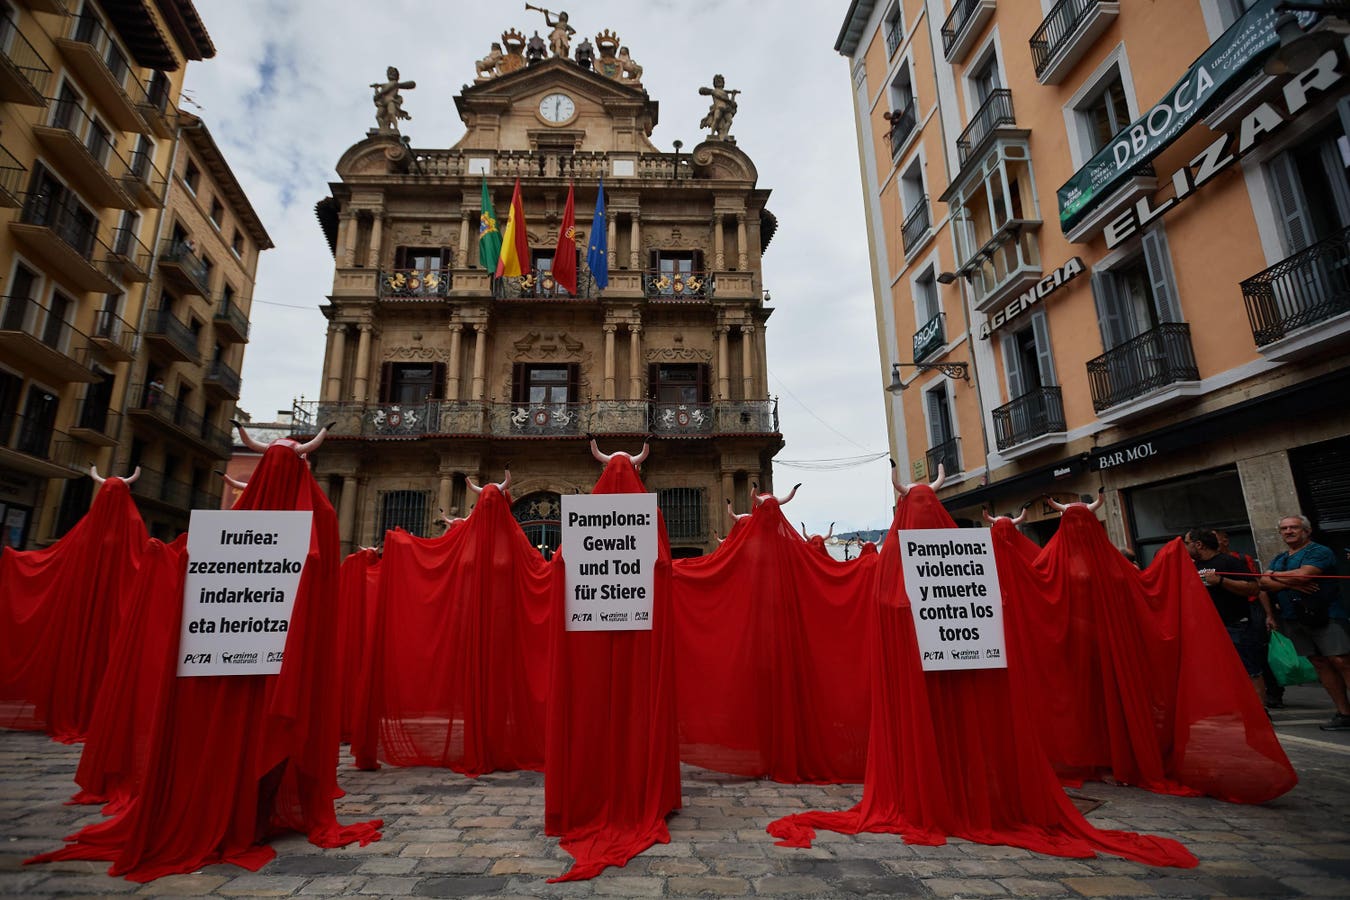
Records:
x=450, y=836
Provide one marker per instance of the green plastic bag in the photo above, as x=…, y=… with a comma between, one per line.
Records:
x=1288, y=666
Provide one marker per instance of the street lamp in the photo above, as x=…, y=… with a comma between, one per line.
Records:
x=1299, y=49
x=953, y=370
x=678, y=145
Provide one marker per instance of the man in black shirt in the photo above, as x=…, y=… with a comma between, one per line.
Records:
x=1235, y=598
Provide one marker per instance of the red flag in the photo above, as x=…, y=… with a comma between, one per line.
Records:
x=515, y=258
x=565, y=258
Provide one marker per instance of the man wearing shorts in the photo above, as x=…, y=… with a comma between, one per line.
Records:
x=1235, y=600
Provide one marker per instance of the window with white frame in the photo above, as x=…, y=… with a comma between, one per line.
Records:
x=941, y=431
x=1027, y=359
x=927, y=304
x=1137, y=294
x=894, y=26
x=1310, y=188
x=985, y=79
x=1101, y=109
x=914, y=200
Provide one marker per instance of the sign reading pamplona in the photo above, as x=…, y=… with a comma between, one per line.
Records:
x=244, y=569
x=953, y=591
x=609, y=545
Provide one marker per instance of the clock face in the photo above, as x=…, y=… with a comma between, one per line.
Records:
x=557, y=108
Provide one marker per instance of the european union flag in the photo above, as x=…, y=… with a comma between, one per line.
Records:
x=597, y=249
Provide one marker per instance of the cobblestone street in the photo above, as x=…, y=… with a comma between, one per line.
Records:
x=450, y=836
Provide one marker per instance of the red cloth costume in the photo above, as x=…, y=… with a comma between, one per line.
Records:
x=957, y=753
x=358, y=581
x=458, y=668
x=612, y=767
x=232, y=760
x=1134, y=674
x=60, y=612
x=771, y=652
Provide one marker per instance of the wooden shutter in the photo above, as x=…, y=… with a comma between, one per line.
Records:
x=1045, y=358
x=704, y=383
x=520, y=390
x=1012, y=364
x=1290, y=205
x=574, y=382
x=1158, y=261
x=400, y=257
x=386, y=382
x=1110, y=317
x=698, y=261
x=653, y=380
x=437, y=390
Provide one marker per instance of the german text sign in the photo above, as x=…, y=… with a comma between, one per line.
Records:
x=609, y=545
x=953, y=591
x=244, y=570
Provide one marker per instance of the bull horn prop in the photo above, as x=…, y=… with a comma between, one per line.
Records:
x=602, y=458
x=830, y=533
x=1020, y=516
x=1096, y=504
x=473, y=487
x=249, y=442
x=984, y=510
x=233, y=482
x=646, y=448
x=131, y=479
x=313, y=443
x=792, y=493
x=1055, y=503
x=93, y=473
x=731, y=511
x=941, y=477
x=505, y=482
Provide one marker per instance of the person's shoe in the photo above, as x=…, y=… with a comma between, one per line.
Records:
x=1339, y=722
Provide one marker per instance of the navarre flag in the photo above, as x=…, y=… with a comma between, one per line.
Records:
x=597, y=251
x=565, y=257
x=489, y=238
x=515, y=258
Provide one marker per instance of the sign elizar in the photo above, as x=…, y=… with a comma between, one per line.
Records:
x=1044, y=288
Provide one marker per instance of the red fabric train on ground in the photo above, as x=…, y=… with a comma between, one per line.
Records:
x=232, y=760
x=457, y=672
x=771, y=655
x=612, y=767
x=61, y=609
x=934, y=768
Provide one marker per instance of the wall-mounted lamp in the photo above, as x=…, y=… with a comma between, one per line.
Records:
x=946, y=277
x=678, y=145
x=1298, y=49
x=767, y=298
x=953, y=370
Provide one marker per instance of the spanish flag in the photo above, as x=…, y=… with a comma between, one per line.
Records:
x=515, y=259
x=565, y=258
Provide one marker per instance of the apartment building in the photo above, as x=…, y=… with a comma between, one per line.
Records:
x=436, y=371
x=89, y=135
x=1111, y=249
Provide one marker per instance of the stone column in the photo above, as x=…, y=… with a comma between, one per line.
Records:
x=723, y=364
x=719, y=251
x=635, y=244
x=479, y=360
x=634, y=362
x=742, y=256
x=747, y=362
x=612, y=236
x=609, y=362
x=443, y=492
x=349, y=248
x=452, y=370
x=347, y=514
x=361, y=381
x=728, y=493
x=336, y=360
x=462, y=254
x=762, y=358
x=376, y=238
x=340, y=244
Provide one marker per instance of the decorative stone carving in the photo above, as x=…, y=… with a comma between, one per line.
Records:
x=723, y=110
x=560, y=34
x=514, y=42
x=678, y=354
x=416, y=354
x=489, y=66
x=388, y=101
x=548, y=344
x=629, y=70
x=608, y=63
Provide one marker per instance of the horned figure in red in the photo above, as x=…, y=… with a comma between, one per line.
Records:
x=604, y=458
x=903, y=489
x=1015, y=520
x=502, y=486
x=1091, y=507
x=128, y=480
x=760, y=498
x=817, y=541
x=451, y=521
x=302, y=449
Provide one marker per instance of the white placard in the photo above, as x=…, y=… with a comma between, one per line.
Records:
x=609, y=545
x=244, y=569
x=953, y=591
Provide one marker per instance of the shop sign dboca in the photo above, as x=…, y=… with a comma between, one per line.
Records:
x=1215, y=75
x=1044, y=288
x=1257, y=125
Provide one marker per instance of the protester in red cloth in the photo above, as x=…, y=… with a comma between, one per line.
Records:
x=956, y=753
x=771, y=655
x=357, y=581
x=612, y=767
x=60, y=612
x=1134, y=674
x=232, y=761
x=458, y=668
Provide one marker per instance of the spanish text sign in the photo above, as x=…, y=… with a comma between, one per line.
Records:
x=243, y=572
x=609, y=545
x=953, y=591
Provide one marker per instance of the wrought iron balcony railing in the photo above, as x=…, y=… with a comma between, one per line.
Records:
x=930, y=337
x=1142, y=364
x=180, y=254
x=12, y=175
x=144, y=176
x=963, y=12
x=903, y=124
x=1037, y=412
x=995, y=112
x=94, y=415
x=681, y=418
x=231, y=316
x=1057, y=29
x=37, y=438
x=90, y=30
x=113, y=331
x=163, y=324
x=545, y=419
x=540, y=284
x=916, y=225
x=21, y=55
x=36, y=320
x=128, y=250
x=948, y=454
x=153, y=485
x=67, y=114
x=1309, y=287
x=414, y=283
x=677, y=285
x=67, y=219
x=150, y=398
x=220, y=374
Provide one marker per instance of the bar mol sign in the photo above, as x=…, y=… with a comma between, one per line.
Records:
x=1257, y=126
x=1042, y=289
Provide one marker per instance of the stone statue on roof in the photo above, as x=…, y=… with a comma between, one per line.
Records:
x=487, y=67
x=723, y=110
x=534, y=50
x=388, y=101
x=560, y=37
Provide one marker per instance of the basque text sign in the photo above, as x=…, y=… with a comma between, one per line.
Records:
x=244, y=570
x=609, y=546
x=953, y=592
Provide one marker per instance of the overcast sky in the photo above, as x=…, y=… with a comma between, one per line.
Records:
x=287, y=94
